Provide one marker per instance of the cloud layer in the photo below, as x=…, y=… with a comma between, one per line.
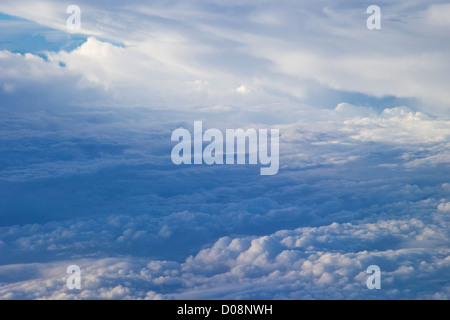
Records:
x=362, y=189
x=307, y=263
x=86, y=176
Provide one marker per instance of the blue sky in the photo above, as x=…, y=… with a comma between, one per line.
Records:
x=86, y=176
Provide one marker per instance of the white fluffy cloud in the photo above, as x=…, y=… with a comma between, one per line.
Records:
x=168, y=46
x=86, y=177
x=324, y=262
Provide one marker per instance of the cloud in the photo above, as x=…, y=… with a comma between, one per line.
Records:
x=86, y=176
x=304, y=263
x=173, y=44
x=438, y=15
x=222, y=232
x=445, y=207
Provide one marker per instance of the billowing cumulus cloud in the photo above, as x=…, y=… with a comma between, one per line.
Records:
x=86, y=176
x=307, y=263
